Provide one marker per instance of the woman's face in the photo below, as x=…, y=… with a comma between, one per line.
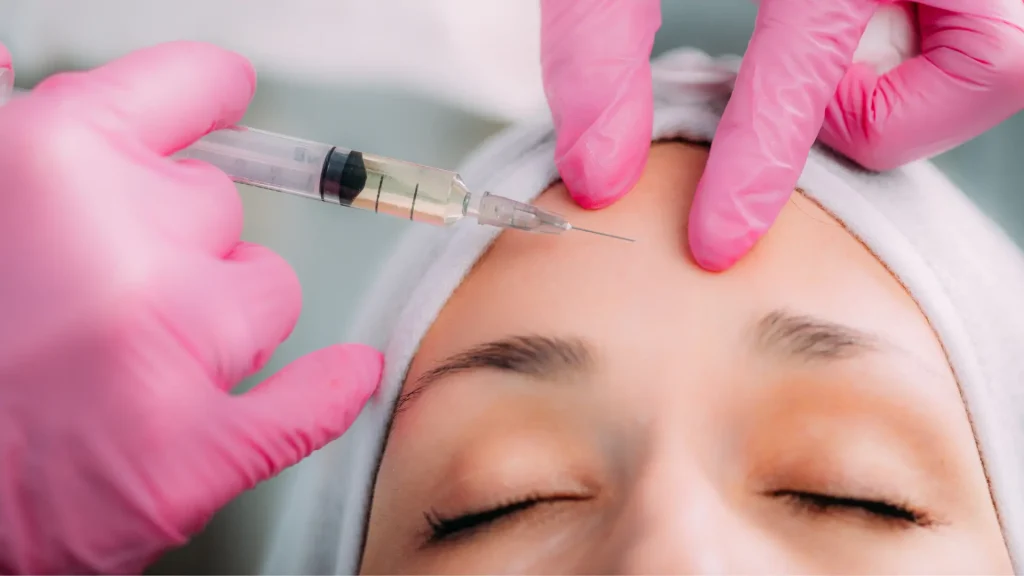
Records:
x=588, y=405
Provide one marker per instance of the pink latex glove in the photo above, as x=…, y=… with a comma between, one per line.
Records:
x=129, y=309
x=797, y=78
x=6, y=74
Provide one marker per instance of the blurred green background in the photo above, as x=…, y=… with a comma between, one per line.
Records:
x=336, y=251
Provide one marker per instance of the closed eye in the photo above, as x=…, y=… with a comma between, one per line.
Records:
x=445, y=528
x=448, y=528
x=824, y=504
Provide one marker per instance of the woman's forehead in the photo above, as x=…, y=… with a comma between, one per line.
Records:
x=652, y=292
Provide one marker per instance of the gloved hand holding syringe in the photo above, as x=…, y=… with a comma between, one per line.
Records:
x=365, y=181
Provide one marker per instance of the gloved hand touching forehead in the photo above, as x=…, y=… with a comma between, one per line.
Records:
x=797, y=82
x=130, y=308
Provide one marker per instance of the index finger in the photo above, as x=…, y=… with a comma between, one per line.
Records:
x=595, y=59
x=167, y=96
x=796, y=58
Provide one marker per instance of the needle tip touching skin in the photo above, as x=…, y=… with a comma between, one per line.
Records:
x=605, y=234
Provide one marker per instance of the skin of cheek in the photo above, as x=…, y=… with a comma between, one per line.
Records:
x=649, y=309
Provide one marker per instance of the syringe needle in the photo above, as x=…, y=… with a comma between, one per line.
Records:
x=605, y=234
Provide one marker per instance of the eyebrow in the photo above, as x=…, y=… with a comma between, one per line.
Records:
x=781, y=333
x=810, y=338
x=538, y=357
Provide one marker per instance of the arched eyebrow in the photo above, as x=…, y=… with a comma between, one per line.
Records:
x=810, y=338
x=539, y=357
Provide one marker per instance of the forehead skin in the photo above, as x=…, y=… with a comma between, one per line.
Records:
x=668, y=334
x=650, y=297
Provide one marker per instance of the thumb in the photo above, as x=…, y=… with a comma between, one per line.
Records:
x=595, y=56
x=309, y=403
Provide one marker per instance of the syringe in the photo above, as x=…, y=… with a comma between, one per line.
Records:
x=365, y=181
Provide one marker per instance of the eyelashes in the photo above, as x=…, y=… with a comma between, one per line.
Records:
x=449, y=528
x=444, y=528
x=823, y=504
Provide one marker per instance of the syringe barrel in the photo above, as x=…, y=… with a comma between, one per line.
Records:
x=395, y=187
x=263, y=159
x=324, y=172
x=334, y=174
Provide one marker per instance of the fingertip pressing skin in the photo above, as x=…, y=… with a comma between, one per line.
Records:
x=604, y=162
x=783, y=87
x=595, y=59
x=717, y=241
